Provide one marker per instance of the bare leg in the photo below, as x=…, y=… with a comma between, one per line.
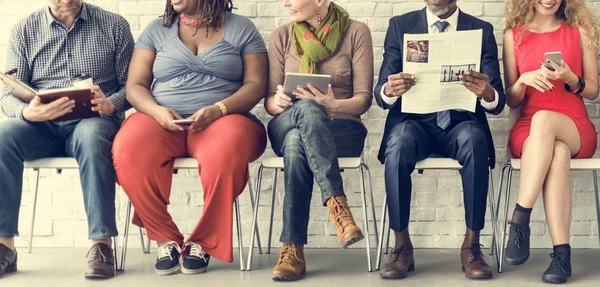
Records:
x=546, y=128
x=8, y=242
x=557, y=195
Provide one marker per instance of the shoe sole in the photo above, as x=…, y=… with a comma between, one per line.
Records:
x=352, y=240
x=554, y=279
x=9, y=269
x=193, y=271
x=517, y=261
x=98, y=276
x=169, y=271
x=289, y=279
x=476, y=277
x=411, y=268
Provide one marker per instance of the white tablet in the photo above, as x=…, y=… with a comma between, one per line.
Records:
x=294, y=80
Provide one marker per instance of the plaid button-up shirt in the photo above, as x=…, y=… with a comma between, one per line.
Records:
x=47, y=54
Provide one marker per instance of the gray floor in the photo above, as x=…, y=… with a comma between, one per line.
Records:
x=331, y=268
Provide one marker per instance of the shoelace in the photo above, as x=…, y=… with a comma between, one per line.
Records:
x=342, y=214
x=166, y=249
x=475, y=250
x=288, y=254
x=196, y=251
x=96, y=252
x=559, y=260
x=517, y=234
x=398, y=254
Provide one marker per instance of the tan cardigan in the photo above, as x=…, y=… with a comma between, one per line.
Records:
x=350, y=67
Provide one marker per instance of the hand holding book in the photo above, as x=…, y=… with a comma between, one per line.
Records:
x=39, y=112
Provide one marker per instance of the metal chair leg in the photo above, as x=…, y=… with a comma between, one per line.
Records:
x=273, y=193
x=492, y=199
x=37, y=184
x=507, y=199
x=383, y=232
x=251, y=194
x=597, y=196
x=366, y=221
x=254, y=218
x=373, y=212
x=125, y=237
x=239, y=234
x=115, y=253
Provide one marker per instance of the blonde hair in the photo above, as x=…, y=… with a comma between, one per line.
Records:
x=576, y=13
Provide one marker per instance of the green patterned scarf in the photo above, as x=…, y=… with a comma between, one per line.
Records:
x=315, y=46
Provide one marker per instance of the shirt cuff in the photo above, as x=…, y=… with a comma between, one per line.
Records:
x=490, y=106
x=388, y=100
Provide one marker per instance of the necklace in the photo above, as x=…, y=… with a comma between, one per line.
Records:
x=190, y=21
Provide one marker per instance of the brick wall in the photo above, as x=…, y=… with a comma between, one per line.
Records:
x=437, y=211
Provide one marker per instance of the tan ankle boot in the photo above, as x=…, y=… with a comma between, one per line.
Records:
x=471, y=257
x=339, y=213
x=291, y=265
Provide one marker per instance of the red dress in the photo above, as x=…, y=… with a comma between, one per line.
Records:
x=529, y=54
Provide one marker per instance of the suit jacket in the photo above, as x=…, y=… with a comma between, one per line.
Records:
x=415, y=22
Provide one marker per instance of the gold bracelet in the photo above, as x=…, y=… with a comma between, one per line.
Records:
x=222, y=107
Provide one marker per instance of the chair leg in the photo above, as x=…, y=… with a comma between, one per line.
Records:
x=273, y=193
x=366, y=221
x=254, y=218
x=126, y=237
x=115, y=253
x=373, y=212
x=251, y=194
x=37, y=185
x=383, y=232
x=492, y=199
x=597, y=196
x=387, y=240
x=506, y=200
x=143, y=241
x=239, y=234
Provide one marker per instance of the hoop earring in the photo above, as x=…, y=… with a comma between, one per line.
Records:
x=319, y=18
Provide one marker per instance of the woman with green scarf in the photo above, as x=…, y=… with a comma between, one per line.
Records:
x=312, y=128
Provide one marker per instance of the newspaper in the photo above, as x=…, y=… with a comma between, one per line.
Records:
x=436, y=60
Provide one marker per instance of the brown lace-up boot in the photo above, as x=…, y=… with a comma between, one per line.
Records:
x=471, y=257
x=339, y=213
x=291, y=265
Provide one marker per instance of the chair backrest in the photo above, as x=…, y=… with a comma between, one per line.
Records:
x=512, y=119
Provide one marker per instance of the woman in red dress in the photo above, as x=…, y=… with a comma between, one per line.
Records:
x=553, y=126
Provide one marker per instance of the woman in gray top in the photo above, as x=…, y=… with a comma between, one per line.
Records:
x=204, y=64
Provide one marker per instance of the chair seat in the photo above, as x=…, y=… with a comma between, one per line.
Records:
x=344, y=162
x=438, y=163
x=576, y=164
x=70, y=163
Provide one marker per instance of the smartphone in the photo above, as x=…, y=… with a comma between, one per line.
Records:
x=555, y=57
x=183, y=122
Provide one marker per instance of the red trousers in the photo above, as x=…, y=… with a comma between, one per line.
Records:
x=144, y=155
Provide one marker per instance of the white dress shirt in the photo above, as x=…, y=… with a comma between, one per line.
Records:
x=432, y=29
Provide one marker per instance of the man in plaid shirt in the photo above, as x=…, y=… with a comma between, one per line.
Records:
x=48, y=48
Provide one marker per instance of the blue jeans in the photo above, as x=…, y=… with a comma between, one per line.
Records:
x=89, y=141
x=310, y=144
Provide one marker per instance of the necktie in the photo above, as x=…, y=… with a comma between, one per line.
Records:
x=443, y=117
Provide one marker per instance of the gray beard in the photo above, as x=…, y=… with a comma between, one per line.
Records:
x=440, y=12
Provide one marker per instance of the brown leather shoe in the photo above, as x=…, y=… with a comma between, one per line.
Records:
x=401, y=262
x=339, y=213
x=471, y=258
x=101, y=262
x=291, y=265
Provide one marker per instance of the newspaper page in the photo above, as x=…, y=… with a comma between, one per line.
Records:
x=436, y=61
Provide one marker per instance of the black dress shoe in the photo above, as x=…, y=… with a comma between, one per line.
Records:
x=8, y=260
x=101, y=262
x=517, y=249
x=559, y=269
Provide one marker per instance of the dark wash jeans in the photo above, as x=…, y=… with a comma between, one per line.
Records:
x=310, y=144
x=89, y=141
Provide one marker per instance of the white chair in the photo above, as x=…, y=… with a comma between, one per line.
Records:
x=58, y=164
x=184, y=163
x=276, y=163
x=438, y=163
x=512, y=164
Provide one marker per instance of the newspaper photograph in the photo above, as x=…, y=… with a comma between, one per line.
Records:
x=436, y=61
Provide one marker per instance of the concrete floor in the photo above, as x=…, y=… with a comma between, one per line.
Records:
x=330, y=268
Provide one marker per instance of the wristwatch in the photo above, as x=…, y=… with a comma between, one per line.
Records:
x=581, y=86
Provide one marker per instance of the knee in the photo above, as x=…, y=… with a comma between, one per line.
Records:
x=541, y=122
x=10, y=131
x=293, y=148
x=308, y=110
x=91, y=138
x=561, y=157
x=472, y=142
x=402, y=142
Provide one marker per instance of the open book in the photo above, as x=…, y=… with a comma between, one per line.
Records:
x=25, y=93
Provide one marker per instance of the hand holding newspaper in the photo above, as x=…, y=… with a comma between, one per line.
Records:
x=437, y=60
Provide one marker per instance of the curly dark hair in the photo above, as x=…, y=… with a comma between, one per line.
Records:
x=210, y=13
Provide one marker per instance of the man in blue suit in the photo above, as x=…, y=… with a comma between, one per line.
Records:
x=461, y=135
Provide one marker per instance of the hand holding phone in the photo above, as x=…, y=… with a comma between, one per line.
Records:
x=555, y=57
x=183, y=122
